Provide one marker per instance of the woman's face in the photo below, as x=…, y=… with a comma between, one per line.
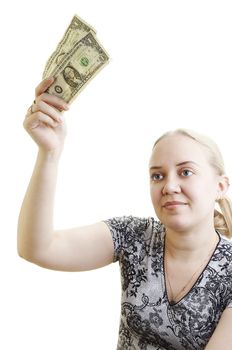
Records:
x=183, y=185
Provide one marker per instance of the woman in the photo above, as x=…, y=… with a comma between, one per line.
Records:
x=176, y=272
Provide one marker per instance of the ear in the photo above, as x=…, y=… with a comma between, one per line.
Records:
x=223, y=185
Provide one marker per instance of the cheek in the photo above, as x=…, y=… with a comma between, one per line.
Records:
x=201, y=191
x=156, y=194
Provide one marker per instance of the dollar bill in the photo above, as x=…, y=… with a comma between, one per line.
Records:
x=86, y=58
x=76, y=30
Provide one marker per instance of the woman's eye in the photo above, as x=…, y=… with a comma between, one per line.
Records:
x=157, y=176
x=187, y=173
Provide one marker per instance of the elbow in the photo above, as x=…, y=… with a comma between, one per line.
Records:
x=26, y=250
x=20, y=251
x=24, y=256
x=31, y=259
x=25, y=253
x=21, y=247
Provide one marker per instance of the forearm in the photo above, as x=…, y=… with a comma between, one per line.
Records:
x=35, y=225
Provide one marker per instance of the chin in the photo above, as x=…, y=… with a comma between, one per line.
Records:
x=176, y=224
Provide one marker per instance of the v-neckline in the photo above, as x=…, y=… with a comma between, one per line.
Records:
x=198, y=278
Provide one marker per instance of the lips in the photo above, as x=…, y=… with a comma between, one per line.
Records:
x=173, y=203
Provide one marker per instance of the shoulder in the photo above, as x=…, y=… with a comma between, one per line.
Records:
x=134, y=236
x=222, y=261
x=133, y=230
x=135, y=224
x=225, y=249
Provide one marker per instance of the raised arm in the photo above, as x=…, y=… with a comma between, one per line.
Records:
x=75, y=249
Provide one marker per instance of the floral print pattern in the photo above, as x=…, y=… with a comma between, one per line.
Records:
x=148, y=320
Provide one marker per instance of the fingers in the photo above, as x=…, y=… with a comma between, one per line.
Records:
x=44, y=85
x=46, y=108
x=35, y=120
x=42, y=112
x=40, y=94
x=52, y=100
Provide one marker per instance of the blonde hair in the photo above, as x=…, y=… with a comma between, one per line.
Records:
x=222, y=218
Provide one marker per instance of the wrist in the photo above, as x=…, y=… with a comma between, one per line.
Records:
x=52, y=156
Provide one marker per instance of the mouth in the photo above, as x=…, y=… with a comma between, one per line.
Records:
x=173, y=204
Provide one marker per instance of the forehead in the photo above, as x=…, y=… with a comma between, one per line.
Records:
x=177, y=149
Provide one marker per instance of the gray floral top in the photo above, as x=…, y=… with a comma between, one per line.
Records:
x=148, y=320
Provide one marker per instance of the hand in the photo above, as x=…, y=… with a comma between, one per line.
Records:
x=44, y=120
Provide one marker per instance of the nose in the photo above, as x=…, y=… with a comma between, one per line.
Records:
x=171, y=186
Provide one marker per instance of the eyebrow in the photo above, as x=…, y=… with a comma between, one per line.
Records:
x=179, y=164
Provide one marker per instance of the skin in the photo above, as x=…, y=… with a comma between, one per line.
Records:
x=72, y=249
x=184, y=174
x=189, y=228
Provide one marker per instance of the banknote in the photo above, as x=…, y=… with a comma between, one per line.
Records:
x=76, y=30
x=83, y=61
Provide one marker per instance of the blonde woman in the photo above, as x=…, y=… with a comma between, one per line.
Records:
x=177, y=270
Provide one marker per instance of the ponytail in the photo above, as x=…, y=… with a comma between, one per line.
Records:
x=223, y=219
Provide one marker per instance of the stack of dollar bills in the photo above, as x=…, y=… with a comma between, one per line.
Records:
x=77, y=59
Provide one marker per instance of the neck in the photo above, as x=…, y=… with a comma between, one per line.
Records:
x=190, y=245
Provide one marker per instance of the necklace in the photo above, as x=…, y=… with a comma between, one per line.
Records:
x=174, y=299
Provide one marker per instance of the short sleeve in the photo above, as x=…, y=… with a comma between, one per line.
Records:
x=128, y=232
x=229, y=279
x=229, y=303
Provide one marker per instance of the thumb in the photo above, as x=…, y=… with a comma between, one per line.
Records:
x=43, y=86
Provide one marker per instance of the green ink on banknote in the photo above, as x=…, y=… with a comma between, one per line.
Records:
x=84, y=61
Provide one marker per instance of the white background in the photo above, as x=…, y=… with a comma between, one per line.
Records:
x=170, y=67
